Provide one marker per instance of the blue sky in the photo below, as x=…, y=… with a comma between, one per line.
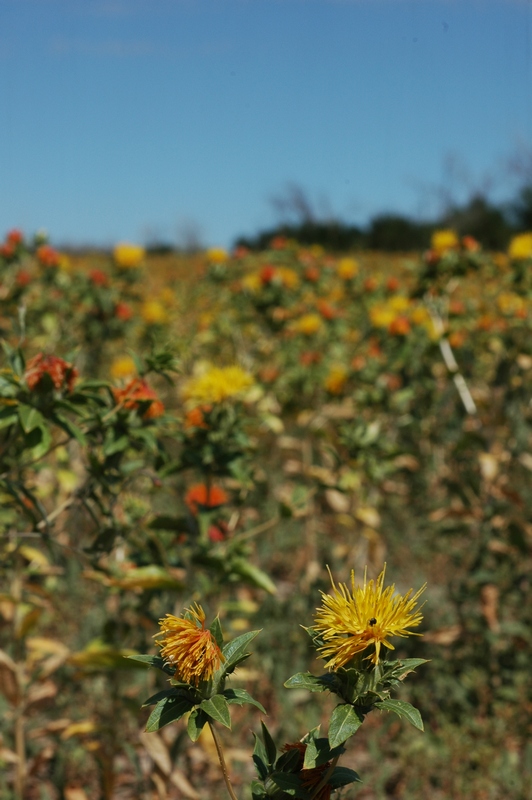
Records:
x=124, y=119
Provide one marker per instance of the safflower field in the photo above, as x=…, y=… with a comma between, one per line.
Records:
x=196, y=448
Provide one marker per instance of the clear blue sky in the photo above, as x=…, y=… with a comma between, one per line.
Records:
x=123, y=118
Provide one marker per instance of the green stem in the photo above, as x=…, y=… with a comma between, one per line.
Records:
x=221, y=759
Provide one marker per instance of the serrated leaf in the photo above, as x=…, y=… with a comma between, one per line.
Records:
x=342, y=776
x=113, y=446
x=170, y=709
x=269, y=745
x=402, y=709
x=173, y=692
x=196, y=722
x=218, y=709
x=344, y=723
x=260, y=758
x=30, y=418
x=319, y=751
x=73, y=430
x=257, y=790
x=239, y=697
x=289, y=761
x=154, y=661
x=291, y=784
x=216, y=630
x=235, y=650
x=305, y=680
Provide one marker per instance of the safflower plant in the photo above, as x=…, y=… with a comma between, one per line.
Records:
x=351, y=632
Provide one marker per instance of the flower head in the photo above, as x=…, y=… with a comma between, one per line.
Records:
x=128, y=256
x=189, y=647
x=47, y=256
x=137, y=392
x=217, y=255
x=218, y=384
x=349, y=622
x=61, y=374
x=201, y=496
x=521, y=247
x=444, y=240
x=347, y=268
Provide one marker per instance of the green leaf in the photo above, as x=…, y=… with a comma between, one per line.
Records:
x=170, y=709
x=8, y=416
x=69, y=427
x=269, y=744
x=154, y=661
x=304, y=680
x=113, y=446
x=253, y=575
x=30, y=418
x=291, y=784
x=239, y=697
x=236, y=650
x=342, y=776
x=319, y=751
x=344, y=723
x=218, y=709
x=216, y=630
x=196, y=722
x=257, y=790
x=402, y=709
x=173, y=692
x=260, y=758
x=289, y=761
x=406, y=665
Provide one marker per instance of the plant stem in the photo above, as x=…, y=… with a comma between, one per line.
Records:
x=221, y=759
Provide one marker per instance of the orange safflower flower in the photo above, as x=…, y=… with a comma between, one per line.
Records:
x=14, y=237
x=400, y=326
x=200, y=497
x=137, y=392
x=189, y=647
x=267, y=274
x=195, y=417
x=98, y=277
x=59, y=371
x=123, y=312
x=47, y=256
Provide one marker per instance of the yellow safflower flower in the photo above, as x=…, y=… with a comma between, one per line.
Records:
x=128, y=256
x=251, y=282
x=308, y=324
x=288, y=277
x=336, y=379
x=444, y=240
x=399, y=303
x=347, y=268
x=510, y=303
x=189, y=646
x=382, y=315
x=217, y=255
x=153, y=312
x=123, y=367
x=521, y=247
x=218, y=384
x=365, y=617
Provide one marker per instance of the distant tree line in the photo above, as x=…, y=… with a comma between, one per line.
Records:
x=491, y=224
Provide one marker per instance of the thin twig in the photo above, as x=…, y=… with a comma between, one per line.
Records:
x=223, y=765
